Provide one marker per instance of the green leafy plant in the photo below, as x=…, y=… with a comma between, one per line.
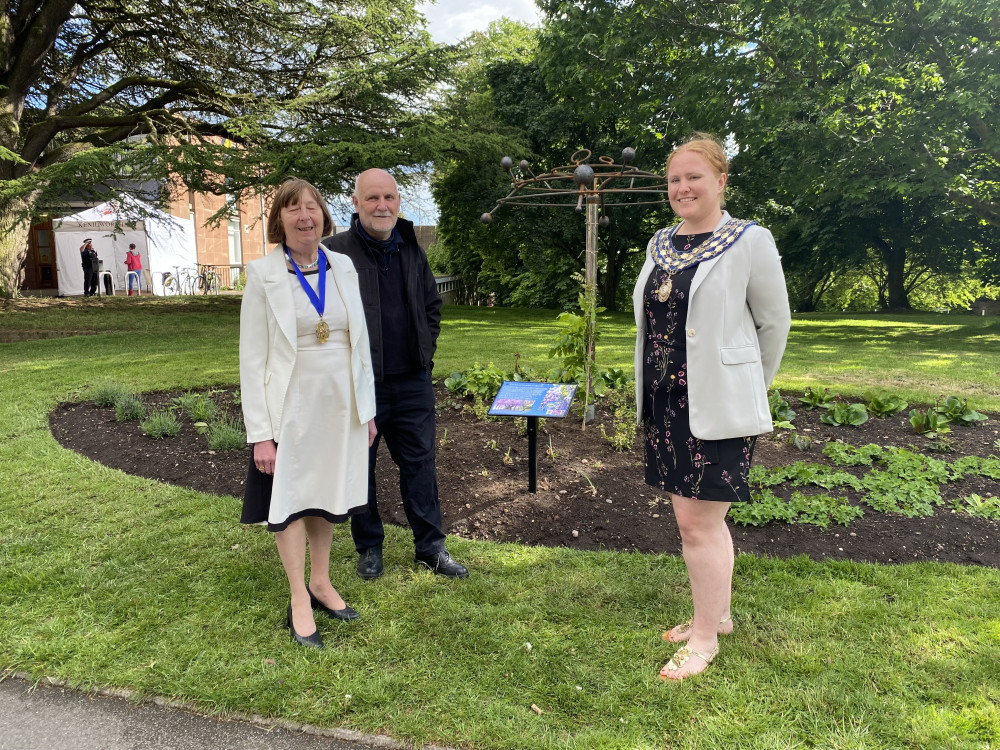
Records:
x=975, y=505
x=782, y=414
x=161, y=424
x=129, y=408
x=621, y=402
x=616, y=379
x=929, y=423
x=800, y=442
x=109, y=392
x=198, y=406
x=883, y=405
x=957, y=411
x=817, y=510
x=813, y=398
x=480, y=381
x=227, y=435
x=842, y=413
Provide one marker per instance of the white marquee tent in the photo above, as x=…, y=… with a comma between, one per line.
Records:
x=164, y=242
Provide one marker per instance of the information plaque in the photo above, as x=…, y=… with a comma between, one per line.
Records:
x=533, y=400
x=524, y=399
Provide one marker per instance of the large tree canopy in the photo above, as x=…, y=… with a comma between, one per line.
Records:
x=853, y=111
x=94, y=90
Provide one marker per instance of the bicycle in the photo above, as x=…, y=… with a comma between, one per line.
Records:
x=170, y=283
x=207, y=281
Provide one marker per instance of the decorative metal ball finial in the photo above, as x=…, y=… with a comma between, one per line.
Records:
x=507, y=163
x=486, y=218
x=628, y=154
x=603, y=221
x=584, y=175
x=524, y=165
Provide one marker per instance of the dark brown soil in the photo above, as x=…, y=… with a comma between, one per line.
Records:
x=589, y=496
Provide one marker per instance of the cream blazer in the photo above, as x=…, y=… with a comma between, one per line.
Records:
x=737, y=324
x=268, y=342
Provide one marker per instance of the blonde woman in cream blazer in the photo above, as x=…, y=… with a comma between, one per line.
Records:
x=308, y=397
x=712, y=318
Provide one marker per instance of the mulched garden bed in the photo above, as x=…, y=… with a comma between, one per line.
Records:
x=589, y=495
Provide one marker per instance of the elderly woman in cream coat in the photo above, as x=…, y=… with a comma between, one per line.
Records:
x=308, y=397
x=712, y=318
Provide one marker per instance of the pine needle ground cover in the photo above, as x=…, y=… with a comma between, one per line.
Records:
x=111, y=580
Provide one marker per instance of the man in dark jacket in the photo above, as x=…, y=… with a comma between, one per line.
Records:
x=91, y=265
x=403, y=313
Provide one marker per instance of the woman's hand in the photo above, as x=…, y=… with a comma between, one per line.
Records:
x=372, y=432
x=264, y=454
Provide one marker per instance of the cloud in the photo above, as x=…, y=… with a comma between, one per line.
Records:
x=452, y=20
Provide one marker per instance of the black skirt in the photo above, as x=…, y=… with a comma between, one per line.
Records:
x=257, y=502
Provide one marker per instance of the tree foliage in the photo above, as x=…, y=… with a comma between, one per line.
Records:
x=848, y=117
x=524, y=94
x=92, y=91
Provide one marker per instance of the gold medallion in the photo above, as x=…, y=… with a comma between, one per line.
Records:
x=663, y=293
x=322, y=331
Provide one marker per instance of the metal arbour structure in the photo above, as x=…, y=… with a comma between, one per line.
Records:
x=601, y=185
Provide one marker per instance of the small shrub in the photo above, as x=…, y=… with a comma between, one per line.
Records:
x=479, y=381
x=129, y=409
x=814, y=398
x=782, y=414
x=929, y=423
x=842, y=413
x=109, y=392
x=980, y=507
x=800, y=442
x=227, y=435
x=884, y=405
x=198, y=406
x=957, y=411
x=622, y=405
x=161, y=424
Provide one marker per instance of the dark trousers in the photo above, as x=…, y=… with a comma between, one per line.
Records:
x=89, y=281
x=404, y=416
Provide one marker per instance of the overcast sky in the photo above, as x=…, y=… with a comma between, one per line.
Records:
x=451, y=20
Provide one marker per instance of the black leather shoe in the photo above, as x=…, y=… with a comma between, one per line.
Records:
x=370, y=563
x=344, y=614
x=442, y=564
x=312, y=641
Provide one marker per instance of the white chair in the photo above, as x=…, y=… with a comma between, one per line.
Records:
x=138, y=282
x=100, y=282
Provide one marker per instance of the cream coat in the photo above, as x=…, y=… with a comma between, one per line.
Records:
x=737, y=325
x=268, y=342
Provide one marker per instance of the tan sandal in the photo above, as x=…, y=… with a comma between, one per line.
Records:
x=687, y=625
x=681, y=657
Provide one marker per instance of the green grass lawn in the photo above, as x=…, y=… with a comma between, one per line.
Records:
x=112, y=580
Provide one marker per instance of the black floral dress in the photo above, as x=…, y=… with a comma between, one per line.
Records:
x=676, y=461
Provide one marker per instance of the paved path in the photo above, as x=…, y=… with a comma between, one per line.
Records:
x=52, y=718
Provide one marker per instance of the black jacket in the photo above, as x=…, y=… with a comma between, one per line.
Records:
x=423, y=303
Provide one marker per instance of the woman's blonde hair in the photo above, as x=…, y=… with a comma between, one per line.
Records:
x=706, y=146
x=289, y=192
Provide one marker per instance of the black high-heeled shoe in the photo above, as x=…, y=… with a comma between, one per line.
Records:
x=312, y=641
x=346, y=614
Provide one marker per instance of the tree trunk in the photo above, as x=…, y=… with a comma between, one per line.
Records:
x=894, y=258
x=15, y=225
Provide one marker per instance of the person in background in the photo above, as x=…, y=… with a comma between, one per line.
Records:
x=308, y=399
x=712, y=318
x=134, y=264
x=90, y=263
x=403, y=309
